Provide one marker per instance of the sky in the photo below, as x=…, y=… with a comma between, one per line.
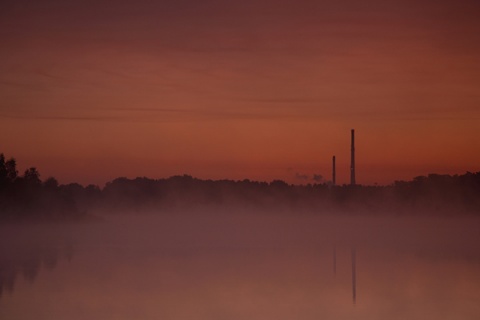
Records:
x=252, y=89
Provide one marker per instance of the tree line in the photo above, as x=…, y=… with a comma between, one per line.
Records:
x=27, y=196
x=431, y=194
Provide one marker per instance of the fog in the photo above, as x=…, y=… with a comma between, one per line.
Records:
x=232, y=263
x=269, y=230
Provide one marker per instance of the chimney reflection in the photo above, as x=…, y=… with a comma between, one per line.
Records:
x=334, y=260
x=354, y=276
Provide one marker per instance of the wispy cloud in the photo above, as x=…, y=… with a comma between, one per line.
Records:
x=61, y=118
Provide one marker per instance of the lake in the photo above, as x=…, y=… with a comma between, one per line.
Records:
x=242, y=265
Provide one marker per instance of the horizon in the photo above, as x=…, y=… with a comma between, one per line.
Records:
x=259, y=90
x=304, y=179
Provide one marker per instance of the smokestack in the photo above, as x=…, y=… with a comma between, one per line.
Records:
x=352, y=162
x=333, y=171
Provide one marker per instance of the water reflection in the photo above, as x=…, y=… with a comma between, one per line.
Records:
x=335, y=260
x=354, y=276
x=231, y=268
x=24, y=250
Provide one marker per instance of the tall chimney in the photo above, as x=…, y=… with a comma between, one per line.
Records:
x=333, y=171
x=352, y=162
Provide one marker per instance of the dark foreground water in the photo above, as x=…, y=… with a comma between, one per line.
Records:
x=242, y=266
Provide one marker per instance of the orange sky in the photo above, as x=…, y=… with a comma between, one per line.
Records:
x=250, y=89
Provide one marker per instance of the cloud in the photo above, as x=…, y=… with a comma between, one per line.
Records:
x=317, y=178
x=60, y=118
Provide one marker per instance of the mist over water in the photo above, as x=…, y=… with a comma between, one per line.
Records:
x=238, y=264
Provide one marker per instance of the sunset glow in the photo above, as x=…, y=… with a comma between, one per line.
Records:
x=260, y=90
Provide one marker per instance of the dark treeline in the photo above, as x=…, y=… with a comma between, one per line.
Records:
x=26, y=196
x=432, y=194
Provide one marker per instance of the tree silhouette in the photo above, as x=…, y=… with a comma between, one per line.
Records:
x=51, y=183
x=11, y=167
x=26, y=197
x=3, y=169
x=32, y=177
x=8, y=170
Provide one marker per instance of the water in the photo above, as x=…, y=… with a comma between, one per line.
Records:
x=242, y=266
